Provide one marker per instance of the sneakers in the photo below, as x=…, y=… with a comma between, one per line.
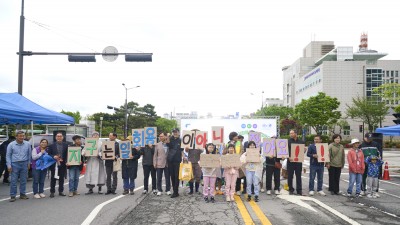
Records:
x=362, y=193
x=348, y=194
x=155, y=192
x=42, y=195
x=12, y=199
x=377, y=195
x=144, y=192
x=374, y=196
x=23, y=197
x=248, y=198
x=269, y=192
x=238, y=193
x=369, y=196
x=168, y=193
x=322, y=193
x=311, y=193
x=228, y=198
x=277, y=192
x=357, y=195
x=71, y=194
x=126, y=191
x=36, y=196
x=212, y=200
x=76, y=193
x=206, y=199
x=262, y=190
x=159, y=193
x=256, y=198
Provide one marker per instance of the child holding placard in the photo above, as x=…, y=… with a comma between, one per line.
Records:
x=230, y=174
x=210, y=175
x=253, y=172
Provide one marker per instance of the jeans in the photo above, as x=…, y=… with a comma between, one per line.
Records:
x=129, y=184
x=74, y=173
x=319, y=170
x=19, y=169
x=38, y=181
x=147, y=170
x=357, y=178
x=159, y=179
x=252, y=180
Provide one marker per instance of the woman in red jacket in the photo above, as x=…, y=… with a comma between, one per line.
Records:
x=355, y=158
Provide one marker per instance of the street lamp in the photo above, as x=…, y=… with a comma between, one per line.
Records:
x=101, y=124
x=126, y=109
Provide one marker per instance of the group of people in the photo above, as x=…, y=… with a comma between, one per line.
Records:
x=164, y=158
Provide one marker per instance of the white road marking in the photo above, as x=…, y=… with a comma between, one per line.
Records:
x=29, y=193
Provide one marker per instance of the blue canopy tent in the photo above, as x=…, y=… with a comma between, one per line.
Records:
x=389, y=131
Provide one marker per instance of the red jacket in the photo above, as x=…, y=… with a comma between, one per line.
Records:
x=356, y=161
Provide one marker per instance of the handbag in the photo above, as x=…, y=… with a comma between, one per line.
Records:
x=117, y=165
x=278, y=165
x=185, y=171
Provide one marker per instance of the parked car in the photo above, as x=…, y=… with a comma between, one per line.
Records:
x=50, y=139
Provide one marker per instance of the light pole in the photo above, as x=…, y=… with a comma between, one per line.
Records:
x=262, y=100
x=101, y=124
x=126, y=109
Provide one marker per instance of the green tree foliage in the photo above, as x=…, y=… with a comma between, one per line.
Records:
x=389, y=91
x=368, y=111
x=287, y=125
x=318, y=111
x=281, y=111
x=76, y=115
x=165, y=125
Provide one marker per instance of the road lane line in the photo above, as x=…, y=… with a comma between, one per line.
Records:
x=243, y=211
x=89, y=219
x=264, y=220
x=29, y=193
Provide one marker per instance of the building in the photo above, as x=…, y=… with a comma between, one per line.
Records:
x=273, y=102
x=339, y=72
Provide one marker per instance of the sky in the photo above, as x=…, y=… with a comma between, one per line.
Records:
x=208, y=55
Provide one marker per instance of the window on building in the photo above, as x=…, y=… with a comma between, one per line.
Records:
x=392, y=73
x=396, y=73
x=324, y=130
x=346, y=130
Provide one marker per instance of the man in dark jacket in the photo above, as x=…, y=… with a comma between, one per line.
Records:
x=147, y=162
x=3, y=164
x=59, y=151
x=174, y=158
x=369, y=148
x=294, y=167
x=129, y=171
x=315, y=168
x=110, y=168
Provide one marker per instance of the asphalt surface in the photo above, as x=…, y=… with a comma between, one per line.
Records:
x=151, y=209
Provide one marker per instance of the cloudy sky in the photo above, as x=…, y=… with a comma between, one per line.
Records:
x=209, y=55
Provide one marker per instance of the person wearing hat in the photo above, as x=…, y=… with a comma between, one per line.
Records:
x=75, y=171
x=174, y=158
x=373, y=163
x=370, y=148
x=355, y=158
x=95, y=173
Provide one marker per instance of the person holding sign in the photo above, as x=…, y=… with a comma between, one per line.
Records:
x=336, y=164
x=129, y=171
x=110, y=173
x=74, y=171
x=194, y=158
x=160, y=163
x=210, y=175
x=294, y=167
x=95, y=173
x=59, y=151
x=315, y=168
x=147, y=161
x=230, y=174
x=272, y=166
x=253, y=164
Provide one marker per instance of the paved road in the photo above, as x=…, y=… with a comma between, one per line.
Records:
x=150, y=209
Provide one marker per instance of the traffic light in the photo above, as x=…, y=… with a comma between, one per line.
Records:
x=397, y=116
x=360, y=128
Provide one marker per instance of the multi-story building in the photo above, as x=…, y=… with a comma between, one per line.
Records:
x=339, y=72
x=272, y=102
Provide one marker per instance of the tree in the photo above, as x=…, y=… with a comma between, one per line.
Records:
x=318, y=111
x=368, y=111
x=341, y=124
x=76, y=115
x=389, y=91
x=165, y=125
x=282, y=111
x=287, y=124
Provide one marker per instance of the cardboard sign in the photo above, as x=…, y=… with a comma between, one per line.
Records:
x=268, y=147
x=150, y=135
x=282, y=149
x=323, y=152
x=230, y=160
x=194, y=139
x=138, y=138
x=125, y=149
x=74, y=156
x=256, y=137
x=217, y=135
x=91, y=147
x=210, y=160
x=108, y=150
x=253, y=155
x=297, y=153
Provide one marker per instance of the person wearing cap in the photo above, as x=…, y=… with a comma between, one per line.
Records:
x=75, y=171
x=59, y=151
x=355, y=158
x=370, y=148
x=374, y=163
x=95, y=173
x=3, y=164
x=174, y=158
